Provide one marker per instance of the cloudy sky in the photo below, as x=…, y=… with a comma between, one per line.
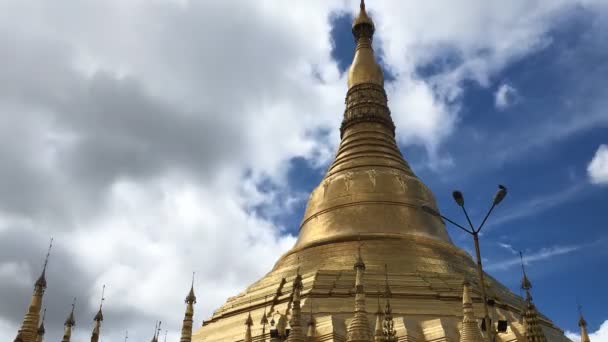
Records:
x=154, y=138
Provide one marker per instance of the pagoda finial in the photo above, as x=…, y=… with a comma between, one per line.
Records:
x=69, y=323
x=378, y=330
x=28, y=332
x=390, y=335
x=98, y=317
x=188, y=321
x=264, y=320
x=532, y=330
x=470, y=331
x=525, y=282
x=41, y=282
x=311, y=322
x=296, y=334
x=126, y=335
x=248, y=324
x=362, y=5
x=583, y=325
x=358, y=329
x=41, y=329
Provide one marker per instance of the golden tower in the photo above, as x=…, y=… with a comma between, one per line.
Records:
x=28, y=332
x=98, y=319
x=41, y=330
x=469, y=332
x=69, y=323
x=187, y=324
x=370, y=199
x=583, y=325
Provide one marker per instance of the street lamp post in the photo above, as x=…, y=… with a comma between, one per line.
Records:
x=459, y=199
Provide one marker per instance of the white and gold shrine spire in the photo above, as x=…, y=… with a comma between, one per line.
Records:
x=532, y=329
x=41, y=330
x=98, y=319
x=296, y=334
x=29, y=327
x=390, y=334
x=188, y=316
x=469, y=332
x=358, y=329
x=70, y=322
x=583, y=326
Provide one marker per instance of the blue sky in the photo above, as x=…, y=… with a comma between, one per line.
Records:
x=552, y=212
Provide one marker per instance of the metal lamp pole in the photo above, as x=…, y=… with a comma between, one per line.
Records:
x=459, y=198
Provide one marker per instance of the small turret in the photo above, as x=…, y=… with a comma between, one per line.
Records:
x=378, y=330
x=583, y=325
x=296, y=334
x=469, y=332
x=264, y=320
x=41, y=329
x=390, y=335
x=70, y=322
x=248, y=323
x=358, y=329
x=98, y=318
x=188, y=316
x=28, y=331
x=532, y=329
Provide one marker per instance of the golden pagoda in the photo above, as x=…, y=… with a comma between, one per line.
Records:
x=369, y=204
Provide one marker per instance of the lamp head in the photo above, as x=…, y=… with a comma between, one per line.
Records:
x=500, y=194
x=458, y=197
x=429, y=210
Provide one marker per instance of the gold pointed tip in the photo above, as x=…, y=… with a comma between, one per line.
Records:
x=362, y=5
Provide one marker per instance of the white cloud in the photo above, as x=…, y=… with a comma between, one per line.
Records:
x=505, y=96
x=600, y=335
x=598, y=167
x=540, y=255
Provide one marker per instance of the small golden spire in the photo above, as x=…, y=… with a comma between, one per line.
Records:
x=532, y=329
x=69, y=323
x=188, y=316
x=390, y=335
x=364, y=69
x=98, y=318
x=311, y=323
x=469, y=331
x=41, y=329
x=264, y=320
x=378, y=331
x=358, y=329
x=29, y=327
x=583, y=325
x=248, y=323
x=296, y=334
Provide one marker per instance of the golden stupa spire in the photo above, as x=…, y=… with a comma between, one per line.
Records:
x=248, y=323
x=69, y=323
x=29, y=327
x=583, y=325
x=264, y=320
x=188, y=317
x=378, y=329
x=469, y=332
x=532, y=329
x=41, y=330
x=98, y=318
x=296, y=334
x=157, y=330
x=364, y=69
x=310, y=334
x=358, y=329
x=390, y=335
x=369, y=190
